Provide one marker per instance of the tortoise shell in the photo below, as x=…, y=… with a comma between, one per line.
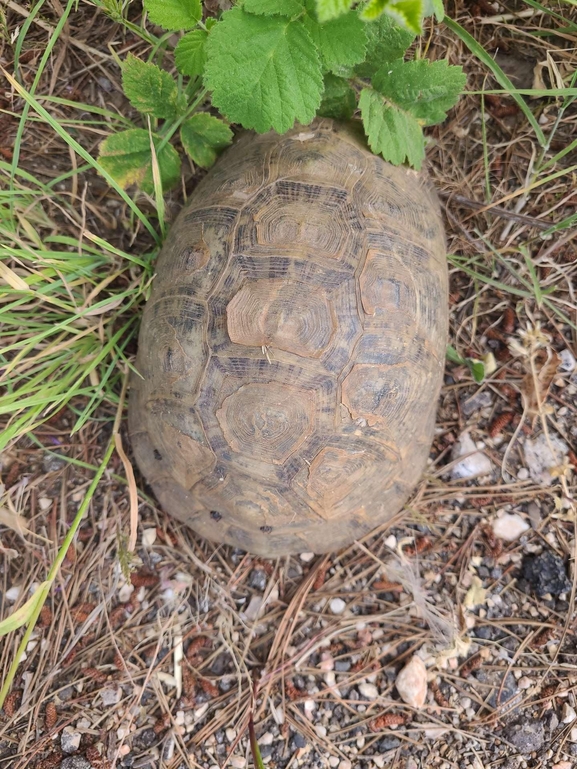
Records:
x=292, y=350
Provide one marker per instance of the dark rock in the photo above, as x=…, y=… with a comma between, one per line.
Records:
x=342, y=666
x=389, y=743
x=546, y=574
x=146, y=739
x=551, y=721
x=299, y=741
x=127, y=761
x=526, y=735
x=220, y=664
x=52, y=462
x=266, y=750
x=75, y=762
x=500, y=692
x=257, y=579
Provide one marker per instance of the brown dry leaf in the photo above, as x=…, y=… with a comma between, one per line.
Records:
x=535, y=393
x=13, y=521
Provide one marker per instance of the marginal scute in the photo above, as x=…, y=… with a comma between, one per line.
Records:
x=291, y=353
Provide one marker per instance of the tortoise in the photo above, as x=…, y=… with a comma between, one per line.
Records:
x=292, y=350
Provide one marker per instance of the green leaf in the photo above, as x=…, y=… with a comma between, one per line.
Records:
x=331, y=9
x=127, y=157
x=287, y=8
x=386, y=41
x=476, y=367
x=22, y=615
x=434, y=7
x=392, y=132
x=174, y=15
x=203, y=136
x=427, y=89
x=264, y=71
x=190, y=53
x=342, y=42
x=149, y=89
x=407, y=13
x=339, y=99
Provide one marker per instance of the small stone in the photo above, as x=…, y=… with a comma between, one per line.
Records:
x=562, y=765
x=13, y=593
x=230, y=734
x=342, y=666
x=327, y=662
x=149, y=537
x=573, y=734
x=509, y=527
x=307, y=557
x=379, y=761
x=389, y=743
x=75, y=762
x=299, y=741
x=321, y=730
x=369, y=691
x=69, y=740
x=525, y=683
x=391, y=542
x=266, y=739
x=257, y=579
x=337, y=606
x=542, y=455
x=522, y=473
x=479, y=401
x=200, y=712
x=334, y=761
x=411, y=683
x=568, y=362
x=344, y=764
x=110, y=696
x=568, y=715
x=44, y=503
x=527, y=735
x=546, y=574
x=465, y=702
x=534, y=513
x=475, y=463
x=238, y=762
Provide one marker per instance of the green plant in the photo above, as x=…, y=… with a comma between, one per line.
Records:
x=268, y=64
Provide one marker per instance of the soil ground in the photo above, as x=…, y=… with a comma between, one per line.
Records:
x=477, y=576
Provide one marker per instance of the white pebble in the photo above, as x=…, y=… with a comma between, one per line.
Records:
x=334, y=761
x=13, y=593
x=411, y=683
x=568, y=362
x=391, y=542
x=310, y=705
x=69, y=740
x=110, y=696
x=266, y=739
x=510, y=527
x=344, y=764
x=327, y=662
x=230, y=734
x=44, y=503
x=337, y=606
x=475, y=462
x=525, y=683
x=307, y=557
x=199, y=712
x=321, y=730
x=568, y=715
x=149, y=537
x=522, y=473
x=369, y=691
x=379, y=761
x=239, y=762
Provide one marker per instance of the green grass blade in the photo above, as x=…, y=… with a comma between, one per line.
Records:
x=478, y=50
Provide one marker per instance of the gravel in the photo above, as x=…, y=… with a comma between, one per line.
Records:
x=546, y=574
x=527, y=736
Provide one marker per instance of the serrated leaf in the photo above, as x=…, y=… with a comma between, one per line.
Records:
x=190, y=53
x=128, y=159
x=149, y=89
x=288, y=8
x=386, y=41
x=392, y=132
x=264, y=71
x=331, y=9
x=342, y=42
x=427, y=89
x=203, y=136
x=174, y=14
x=407, y=13
x=339, y=99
